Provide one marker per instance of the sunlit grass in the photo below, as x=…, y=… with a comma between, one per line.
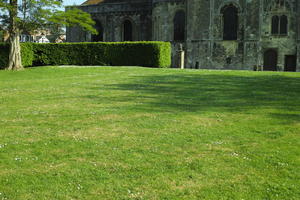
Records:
x=139, y=133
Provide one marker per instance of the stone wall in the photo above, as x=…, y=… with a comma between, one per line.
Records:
x=112, y=15
x=203, y=43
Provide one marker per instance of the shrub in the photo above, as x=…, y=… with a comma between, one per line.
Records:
x=4, y=50
x=148, y=54
x=27, y=54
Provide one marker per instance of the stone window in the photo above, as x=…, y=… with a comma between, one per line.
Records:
x=275, y=25
x=230, y=22
x=279, y=25
x=283, y=24
x=127, y=31
x=179, y=26
x=98, y=37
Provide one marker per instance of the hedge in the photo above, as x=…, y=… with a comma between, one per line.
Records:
x=148, y=54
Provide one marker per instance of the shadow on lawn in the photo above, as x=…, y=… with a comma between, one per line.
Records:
x=200, y=92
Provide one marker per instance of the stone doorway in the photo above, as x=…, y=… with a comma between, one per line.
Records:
x=127, y=31
x=270, y=60
x=290, y=63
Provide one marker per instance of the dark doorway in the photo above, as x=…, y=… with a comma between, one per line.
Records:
x=179, y=26
x=270, y=60
x=99, y=37
x=290, y=63
x=127, y=31
x=230, y=22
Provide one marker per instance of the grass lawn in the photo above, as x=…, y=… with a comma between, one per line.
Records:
x=140, y=133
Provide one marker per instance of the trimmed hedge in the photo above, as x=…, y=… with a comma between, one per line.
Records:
x=147, y=54
x=26, y=53
x=4, y=49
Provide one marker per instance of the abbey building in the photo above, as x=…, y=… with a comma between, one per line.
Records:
x=215, y=34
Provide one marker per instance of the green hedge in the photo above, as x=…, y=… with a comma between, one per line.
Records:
x=3, y=55
x=148, y=54
x=26, y=53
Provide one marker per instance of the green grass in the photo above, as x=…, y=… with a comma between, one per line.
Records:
x=138, y=133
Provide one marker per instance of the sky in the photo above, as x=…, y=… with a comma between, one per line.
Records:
x=73, y=2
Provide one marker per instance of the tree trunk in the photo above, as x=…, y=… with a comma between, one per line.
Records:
x=15, y=62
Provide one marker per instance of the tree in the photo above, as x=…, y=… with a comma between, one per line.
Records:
x=17, y=16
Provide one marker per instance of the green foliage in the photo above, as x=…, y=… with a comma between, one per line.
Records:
x=32, y=15
x=1, y=35
x=147, y=54
x=26, y=53
x=74, y=17
x=4, y=50
x=164, y=54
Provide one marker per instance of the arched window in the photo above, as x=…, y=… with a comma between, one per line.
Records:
x=275, y=24
x=230, y=22
x=279, y=25
x=283, y=24
x=127, y=30
x=98, y=37
x=179, y=26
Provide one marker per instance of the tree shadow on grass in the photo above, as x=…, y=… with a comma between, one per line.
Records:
x=286, y=118
x=201, y=92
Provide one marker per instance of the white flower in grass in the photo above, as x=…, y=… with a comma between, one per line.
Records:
x=218, y=142
x=79, y=187
x=18, y=159
x=235, y=154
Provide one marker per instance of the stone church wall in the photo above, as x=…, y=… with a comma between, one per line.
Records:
x=111, y=16
x=204, y=42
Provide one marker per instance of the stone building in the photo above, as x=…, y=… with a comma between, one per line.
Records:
x=216, y=34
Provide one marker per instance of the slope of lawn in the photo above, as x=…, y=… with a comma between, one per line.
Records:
x=138, y=133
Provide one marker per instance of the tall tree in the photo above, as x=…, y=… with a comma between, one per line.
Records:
x=17, y=16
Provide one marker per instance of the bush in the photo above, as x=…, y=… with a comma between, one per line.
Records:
x=26, y=54
x=3, y=55
x=148, y=54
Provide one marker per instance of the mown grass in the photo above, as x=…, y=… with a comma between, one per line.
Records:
x=137, y=133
